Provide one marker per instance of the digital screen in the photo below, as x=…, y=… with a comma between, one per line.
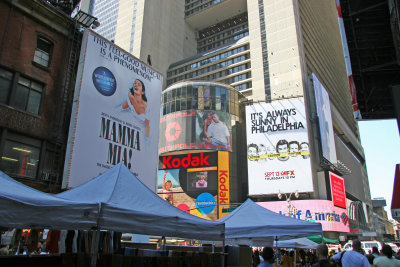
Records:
x=200, y=181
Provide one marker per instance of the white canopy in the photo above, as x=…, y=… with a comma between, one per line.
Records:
x=127, y=205
x=24, y=207
x=258, y=225
x=296, y=243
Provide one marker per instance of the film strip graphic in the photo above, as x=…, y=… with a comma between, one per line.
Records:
x=279, y=155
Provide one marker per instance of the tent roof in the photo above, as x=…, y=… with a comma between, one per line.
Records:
x=250, y=220
x=129, y=205
x=296, y=243
x=22, y=206
x=318, y=239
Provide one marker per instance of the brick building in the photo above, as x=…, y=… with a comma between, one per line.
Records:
x=37, y=69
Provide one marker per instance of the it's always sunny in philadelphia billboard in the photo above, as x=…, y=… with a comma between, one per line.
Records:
x=278, y=147
x=116, y=114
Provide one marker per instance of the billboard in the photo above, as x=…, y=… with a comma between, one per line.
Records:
x=195, y=129
x=115, y=114
x=325, y=121
x=321, y=211
x=352, y=85
x=196, y=183
x=278, y=147
x=338, y=191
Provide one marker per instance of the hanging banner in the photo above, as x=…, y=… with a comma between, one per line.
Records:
x=278, y=147
x=223, y=183
x=115, y=115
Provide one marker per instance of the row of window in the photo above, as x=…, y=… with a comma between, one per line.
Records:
x=221, y=27
x=211, y=68
x=208, y=61
x=228, y=40
x=222, y=35
x=243, y=86
x=20, y=92
x=200, y=7
x=205, y=97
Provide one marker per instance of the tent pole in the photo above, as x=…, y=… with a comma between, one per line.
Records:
x=95, y=241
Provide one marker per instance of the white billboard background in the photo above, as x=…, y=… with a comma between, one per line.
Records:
x=105, y=127
x=325, y=121
x=271, y=172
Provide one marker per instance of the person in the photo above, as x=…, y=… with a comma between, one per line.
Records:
x=282, y=147
x=322, y=255
x=202, y=182
x=375, y=252
x=256, y=258
x=137, y=102
x=252, y=150
x=207, y=121
x=167, y=192
x=386, y=259
x=262, y=150
x=294, y=146
x=352, y=258
x=268, y=256
x=304, y=147
x=270, y=150
x=218, y=133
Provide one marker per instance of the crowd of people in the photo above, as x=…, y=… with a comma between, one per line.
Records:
x=269, y=257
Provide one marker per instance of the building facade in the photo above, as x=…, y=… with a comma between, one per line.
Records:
x=37, y=78
x=272, y=52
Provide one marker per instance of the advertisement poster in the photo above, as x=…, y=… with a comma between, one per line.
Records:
x=337, y=190
x=321, y=211
x=116, y=115
x=191, y=183
x=195, y=129
x=325, y=121
x=352, y=86
x=278, y=148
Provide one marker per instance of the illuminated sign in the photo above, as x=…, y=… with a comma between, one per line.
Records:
x=322, y=211
x=223, y=182
x=195, y=129
x=188, y=161
x=337, y=190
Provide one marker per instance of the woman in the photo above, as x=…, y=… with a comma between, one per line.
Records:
x=137, y=102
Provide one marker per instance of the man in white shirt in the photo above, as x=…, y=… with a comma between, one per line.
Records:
x=218, y=133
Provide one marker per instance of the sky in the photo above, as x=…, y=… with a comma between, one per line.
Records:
x=381, y=142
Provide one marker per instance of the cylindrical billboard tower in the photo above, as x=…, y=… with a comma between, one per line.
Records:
x=198, y=148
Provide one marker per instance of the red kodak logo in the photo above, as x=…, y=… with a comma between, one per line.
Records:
x=189, y=161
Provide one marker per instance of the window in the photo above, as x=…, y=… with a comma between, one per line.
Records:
x=20, y=159
x=43, y=51
x=28, y=95
x=5, y=85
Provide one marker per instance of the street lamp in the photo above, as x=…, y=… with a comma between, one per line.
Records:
x=288, y=200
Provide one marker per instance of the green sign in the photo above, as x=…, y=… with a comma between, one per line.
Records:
x=228, y=210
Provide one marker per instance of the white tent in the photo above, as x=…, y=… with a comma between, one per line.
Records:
x=303, y=243
x=25, y=207
x=254, y=225
x=127, y=205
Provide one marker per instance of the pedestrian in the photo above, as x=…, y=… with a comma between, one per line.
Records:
x=322, y=255
x=268, y=256
x=386, y=259
x=352, y=258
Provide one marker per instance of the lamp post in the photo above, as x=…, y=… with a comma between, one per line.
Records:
x=289, y=205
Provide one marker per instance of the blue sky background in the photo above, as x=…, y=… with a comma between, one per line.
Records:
x=381, y=142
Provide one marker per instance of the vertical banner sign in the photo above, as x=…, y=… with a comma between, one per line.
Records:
x=353, y=92
x=223, y=183
x=278, y=147
x=338, y=190
x=115, y=116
